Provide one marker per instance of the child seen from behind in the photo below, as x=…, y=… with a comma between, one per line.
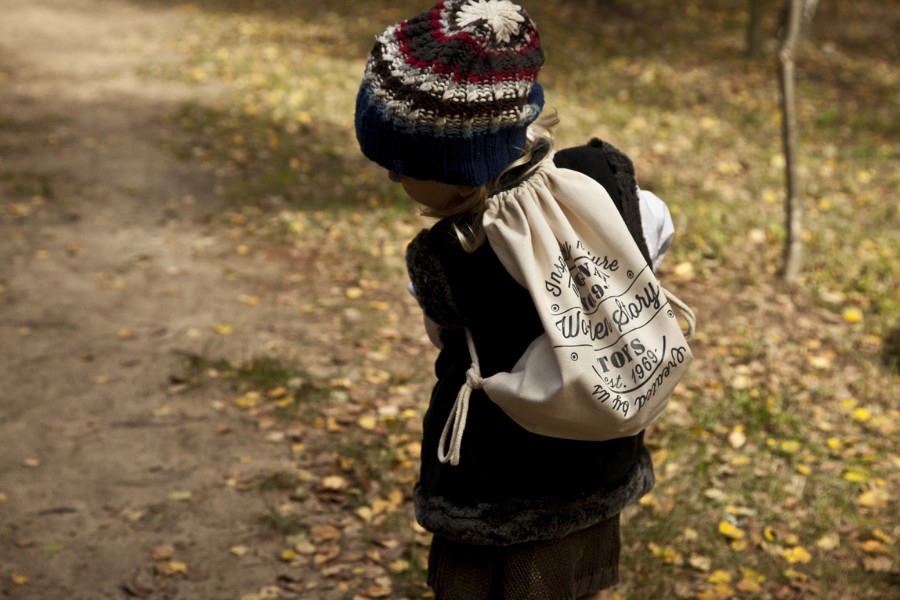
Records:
x=451, y=108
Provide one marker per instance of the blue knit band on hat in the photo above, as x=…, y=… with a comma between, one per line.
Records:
x=448, y=94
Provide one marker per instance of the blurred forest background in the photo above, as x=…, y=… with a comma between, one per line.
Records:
x=779, y=458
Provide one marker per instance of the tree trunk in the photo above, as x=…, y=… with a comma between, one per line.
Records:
x=793, y=247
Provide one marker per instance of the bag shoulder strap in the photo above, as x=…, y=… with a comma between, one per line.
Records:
x=456, y=420
x=685, y=311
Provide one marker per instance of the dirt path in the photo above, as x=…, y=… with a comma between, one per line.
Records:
x=105, y=272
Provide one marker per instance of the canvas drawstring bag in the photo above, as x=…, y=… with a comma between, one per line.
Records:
x=612, y=350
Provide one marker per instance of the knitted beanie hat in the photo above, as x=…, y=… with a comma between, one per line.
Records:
x=448, y=94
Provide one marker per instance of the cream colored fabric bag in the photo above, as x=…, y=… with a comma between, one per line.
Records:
x=612, y=351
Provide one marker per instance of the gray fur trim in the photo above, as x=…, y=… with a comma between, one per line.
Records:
x=528, y=520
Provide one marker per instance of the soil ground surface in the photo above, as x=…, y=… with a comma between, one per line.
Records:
x=124, y=475
x=106, y=272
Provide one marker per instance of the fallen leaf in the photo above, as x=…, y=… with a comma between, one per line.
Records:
x=856, y=476
x=164, y=552
x=334, y=483
x=172, y=568
x=701, y=563
x=861, y=415
x=731, y=531
x=874, y=498
x=852, y=315
x=719, y=576
x=737, y=438
x=829, y=541
x=399, y=566
x=790, y=446
x=324, y=533
x=365, y=513
x=876, y=533
x=367, y=422
x=305, y=548
x=878, y=564
x=797, y=554
x=874, y=547
x=288, y=555
x=18, y=578
x=326, y=554
x=748, y=586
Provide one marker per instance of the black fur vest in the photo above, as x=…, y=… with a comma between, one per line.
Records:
x=512, y=486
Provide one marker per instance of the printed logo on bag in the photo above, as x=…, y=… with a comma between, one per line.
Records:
x=607, y=325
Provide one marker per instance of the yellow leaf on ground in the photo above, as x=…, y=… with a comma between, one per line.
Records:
x=797, y=554
x=795, y=575
x=856, y=476
x=248, y=400
x=719, y=576
x=399, y=566
x=176, y=566
x=164, y=552
x=367, y=422
x=288, y=555
x=874, y=547
x=223, y=329
x=875, y=498
x=731, y=531
x=752, y=575
x=365, y=513
x=790, y=446
x=737, y=438
x=829, y=541
x=876, y=533
x=701, y=563
x=862, y=415
x=852, y=315
x=684, y=271
x=334, y=483
x=172, y=568
x=18, y=578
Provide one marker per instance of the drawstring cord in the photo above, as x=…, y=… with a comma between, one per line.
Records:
x=685, y=311
x=456, y=420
